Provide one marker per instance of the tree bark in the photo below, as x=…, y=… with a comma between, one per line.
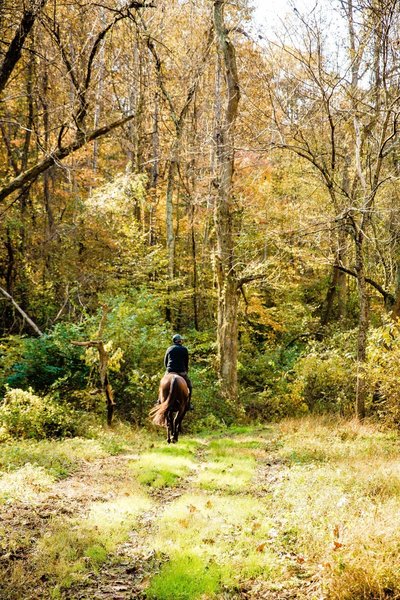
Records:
x=363, y=321
x=227, y=285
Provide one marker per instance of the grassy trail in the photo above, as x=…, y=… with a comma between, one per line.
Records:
x=304, y=509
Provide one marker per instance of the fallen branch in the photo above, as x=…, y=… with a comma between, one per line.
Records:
x=22, y=312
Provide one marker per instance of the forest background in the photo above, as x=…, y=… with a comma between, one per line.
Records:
x=167, y=168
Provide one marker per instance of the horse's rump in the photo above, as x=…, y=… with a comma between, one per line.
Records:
x=173, y=396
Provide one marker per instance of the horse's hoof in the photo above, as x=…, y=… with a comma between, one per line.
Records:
x=174, y=441
x=169, y=441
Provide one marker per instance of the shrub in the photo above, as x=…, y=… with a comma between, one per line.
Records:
x=270, y=405
x=50, y=361
x=325, y=381
x=383, y=371
x=26, y=415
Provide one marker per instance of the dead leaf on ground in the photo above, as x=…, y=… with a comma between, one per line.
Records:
x=336, y=545
x=336, y=532
x=300, y=559
x=261, y=547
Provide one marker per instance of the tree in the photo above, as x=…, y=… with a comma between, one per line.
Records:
x=347, y=130
x=224, y=213
x=72, y=133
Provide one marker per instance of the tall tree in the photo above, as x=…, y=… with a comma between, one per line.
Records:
x=224, y=212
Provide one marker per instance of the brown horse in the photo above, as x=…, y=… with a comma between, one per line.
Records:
x=173, y=398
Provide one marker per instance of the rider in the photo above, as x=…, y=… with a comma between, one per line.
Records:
x=176, y=360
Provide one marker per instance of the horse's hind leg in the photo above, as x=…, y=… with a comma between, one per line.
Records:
x=181, y=419
x=169, y=427
x=177, y=427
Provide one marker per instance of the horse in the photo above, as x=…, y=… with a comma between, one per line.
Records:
x=173, y=402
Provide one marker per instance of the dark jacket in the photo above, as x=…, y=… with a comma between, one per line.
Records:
x=176, y=359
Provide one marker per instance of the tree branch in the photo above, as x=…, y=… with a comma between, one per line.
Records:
x=22, y=312
x=387, y=295
x=53, y=158
x=14, y=50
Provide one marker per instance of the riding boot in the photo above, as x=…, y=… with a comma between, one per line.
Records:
x=190, y=406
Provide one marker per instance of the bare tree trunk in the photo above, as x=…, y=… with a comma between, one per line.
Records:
x=194, y=266
x=330, y=297
x=103, y=364
x=337, y=286
x=99, y=93
x=227, y=286
x=46, y=175
x=169, y=208
x=396, y=304
x=361, y=390
x=14, y=50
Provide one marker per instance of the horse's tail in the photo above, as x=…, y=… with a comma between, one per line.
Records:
x=158, y=413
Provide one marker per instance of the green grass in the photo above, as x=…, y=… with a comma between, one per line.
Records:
x=165, y=466
x=230, y=463
x=57, y=458
x=237, y=536
x=324, y=507
x=74, y=546
x=186, y=578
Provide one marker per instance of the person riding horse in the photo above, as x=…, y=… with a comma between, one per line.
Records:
x=176, y=360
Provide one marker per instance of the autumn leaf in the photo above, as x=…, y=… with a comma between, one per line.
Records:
x=183, y=523
x=336, y=545
x=300, y=559
x=336, y=532
x=261, y=547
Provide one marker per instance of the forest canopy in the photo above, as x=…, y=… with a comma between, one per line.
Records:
x=168, y=166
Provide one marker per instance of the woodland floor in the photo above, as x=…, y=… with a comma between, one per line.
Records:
x=257, y=513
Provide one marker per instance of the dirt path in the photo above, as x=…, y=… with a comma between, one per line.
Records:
x=23, y=523
x=127, y=572
x=126, y=575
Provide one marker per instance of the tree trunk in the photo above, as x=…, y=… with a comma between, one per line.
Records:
x=361, y=388
x=330, y=297
x=337, y=286
x=169, y=210
x=227, y=287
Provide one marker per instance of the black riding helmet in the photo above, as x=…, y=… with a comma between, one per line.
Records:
x=177, y=338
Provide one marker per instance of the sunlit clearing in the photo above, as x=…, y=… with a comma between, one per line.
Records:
x=238, y=536
x=28, y=484
x=159, y=469
x=72, y=546
x=229, y=475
